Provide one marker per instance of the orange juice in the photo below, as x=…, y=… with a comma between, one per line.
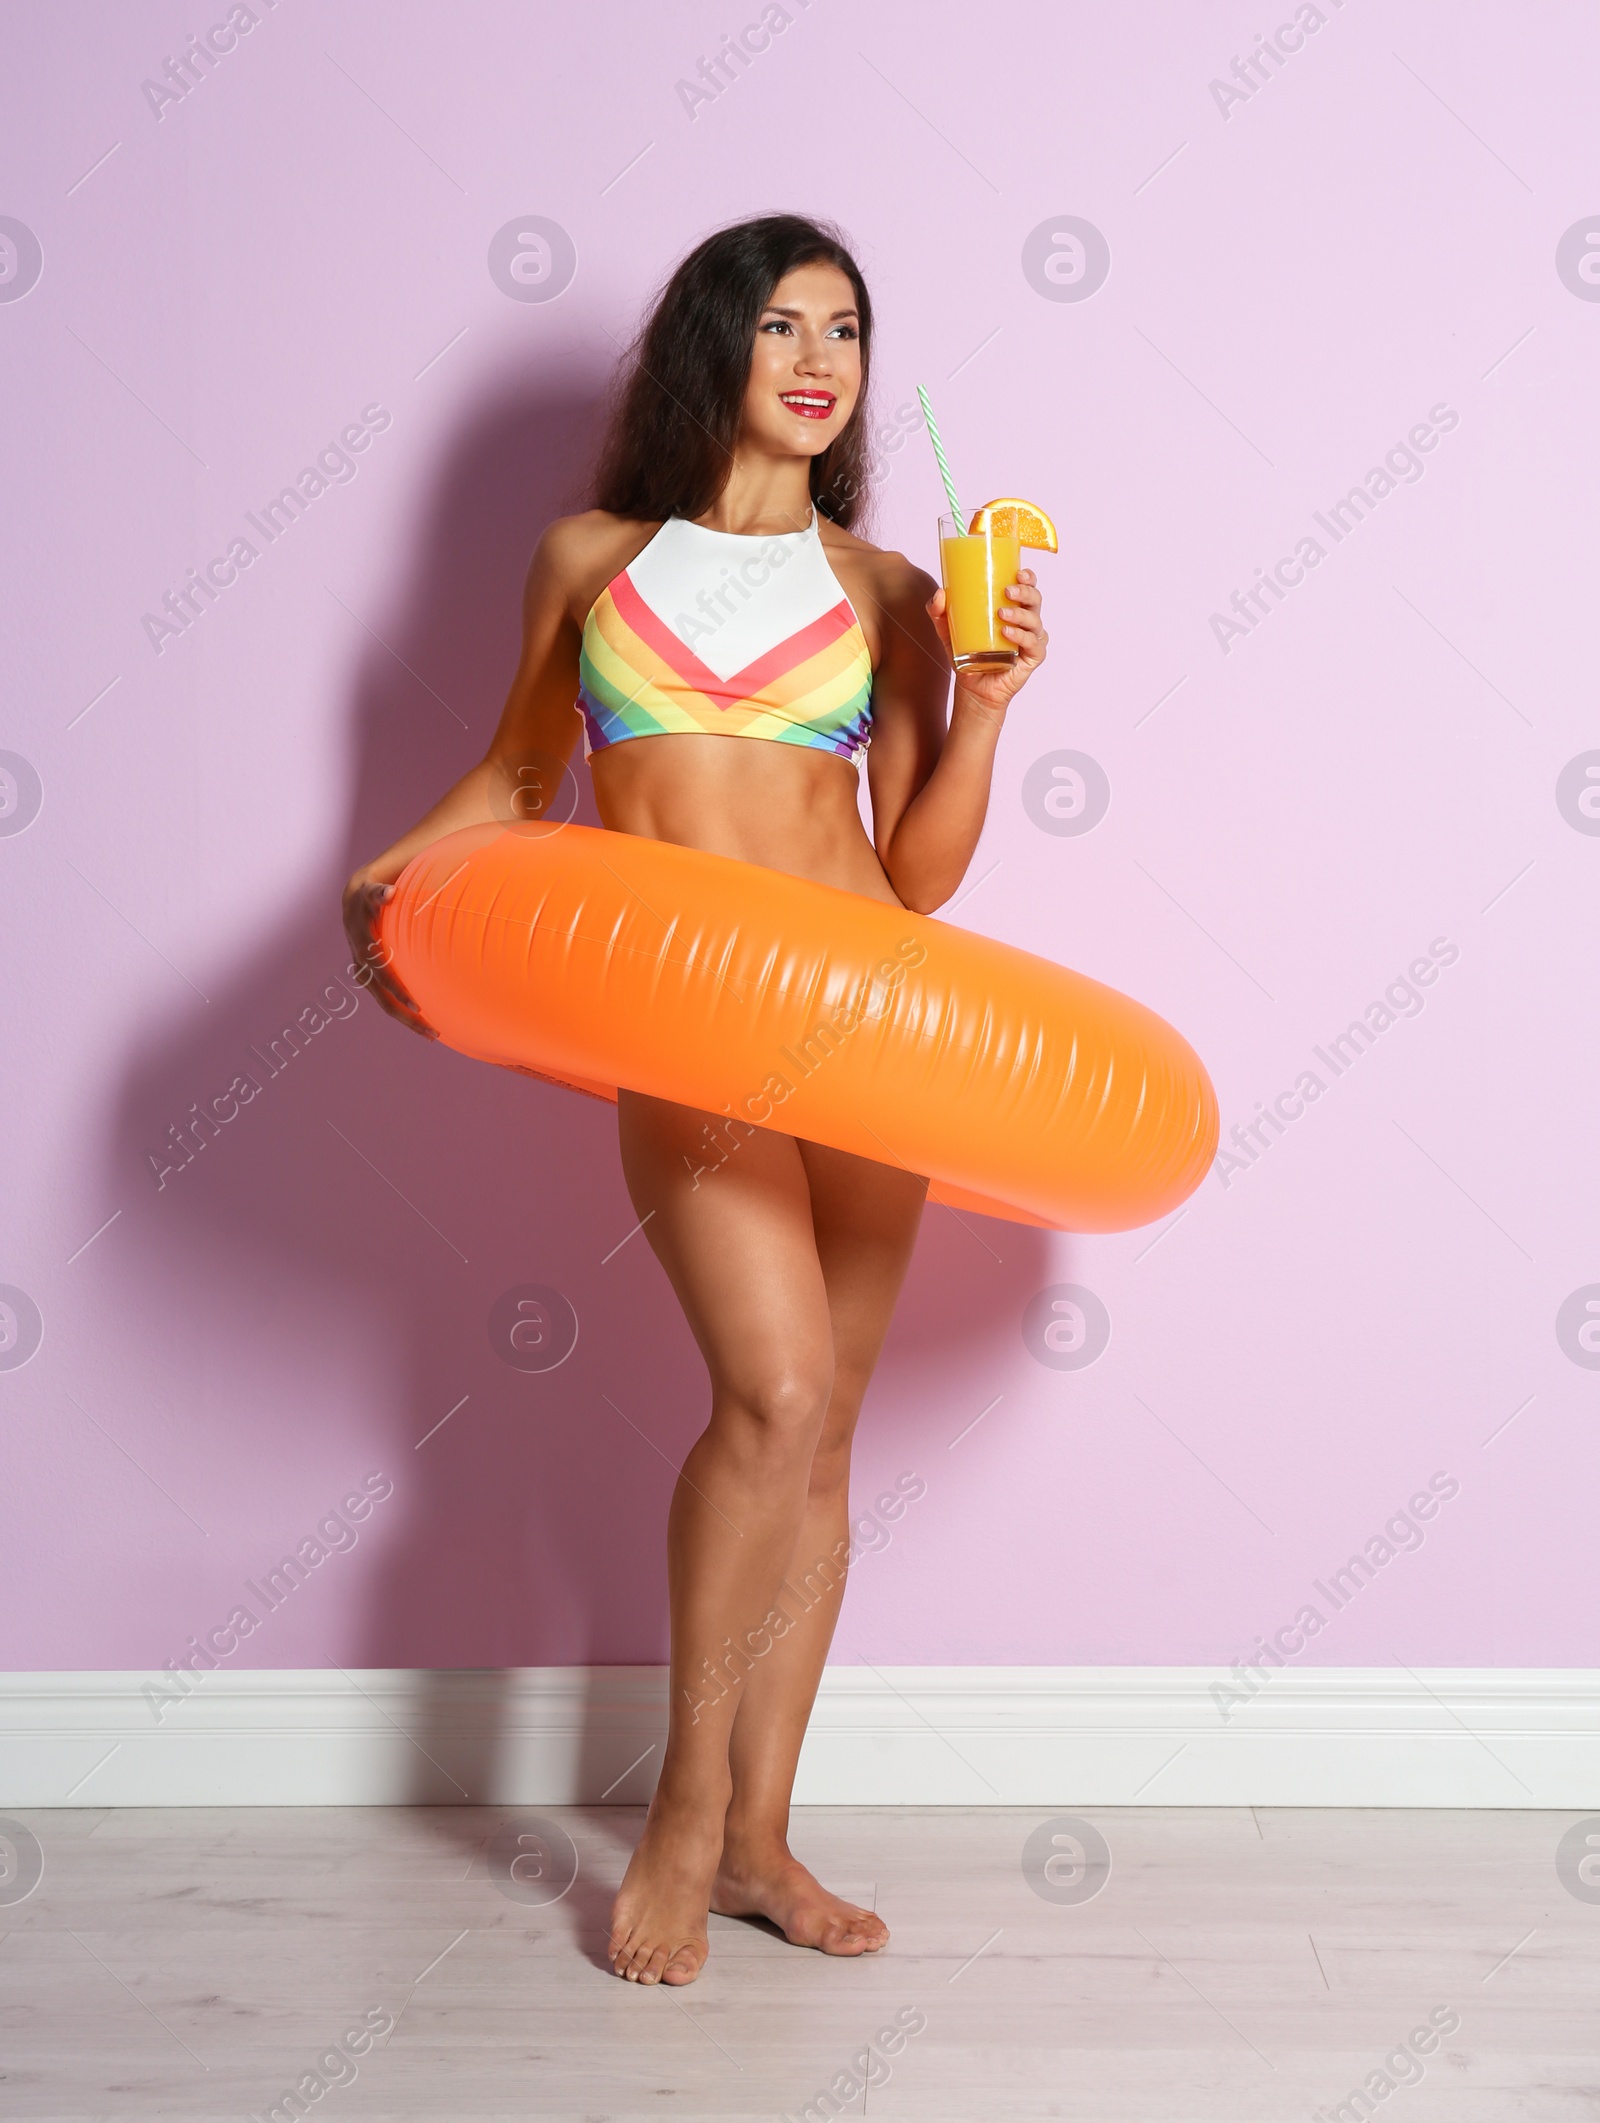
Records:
x=978, y=573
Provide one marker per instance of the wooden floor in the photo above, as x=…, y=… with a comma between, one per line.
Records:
x=1234, y=1965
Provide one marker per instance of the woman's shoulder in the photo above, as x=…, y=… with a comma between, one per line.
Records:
x=892, y=580
x=573, y=545
x=580, y=554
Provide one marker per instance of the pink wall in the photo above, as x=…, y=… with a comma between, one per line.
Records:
x=1361, y=250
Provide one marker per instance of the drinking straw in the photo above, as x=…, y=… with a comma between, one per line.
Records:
x=938, y=451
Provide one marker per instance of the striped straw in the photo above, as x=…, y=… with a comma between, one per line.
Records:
x=938, y=451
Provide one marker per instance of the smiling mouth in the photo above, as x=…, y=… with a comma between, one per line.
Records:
x=811, y=405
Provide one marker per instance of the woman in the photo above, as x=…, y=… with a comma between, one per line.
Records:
x=717, y=596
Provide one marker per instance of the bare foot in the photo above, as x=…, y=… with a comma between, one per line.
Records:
x=778, y=1887
x=658, y=1921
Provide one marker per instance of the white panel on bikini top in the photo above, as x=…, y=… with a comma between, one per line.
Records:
x=731, y=598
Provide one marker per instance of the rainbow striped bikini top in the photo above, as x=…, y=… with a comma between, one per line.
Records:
x=739, y=636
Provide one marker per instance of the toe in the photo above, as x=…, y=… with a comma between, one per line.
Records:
x=683, y=1967
x=865, y=1931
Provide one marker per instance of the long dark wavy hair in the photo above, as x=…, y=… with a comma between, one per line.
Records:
x=681, y=389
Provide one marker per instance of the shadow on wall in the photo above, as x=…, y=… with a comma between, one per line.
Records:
x=380, y=1194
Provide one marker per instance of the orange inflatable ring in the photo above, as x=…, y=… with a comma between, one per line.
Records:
x=595, y=959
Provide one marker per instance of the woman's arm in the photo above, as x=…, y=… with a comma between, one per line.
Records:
x=930, y=782
x=538, y=718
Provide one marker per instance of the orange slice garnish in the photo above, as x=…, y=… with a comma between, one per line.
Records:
x=1011, y=518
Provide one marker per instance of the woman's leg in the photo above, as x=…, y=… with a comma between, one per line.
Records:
x=738, y=1246
x=865, y=1216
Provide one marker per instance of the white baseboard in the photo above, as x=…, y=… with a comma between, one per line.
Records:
x=908, y=1736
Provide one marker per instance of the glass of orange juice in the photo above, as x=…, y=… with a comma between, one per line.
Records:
x=979, y=568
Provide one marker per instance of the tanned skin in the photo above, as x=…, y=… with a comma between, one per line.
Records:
x=788, y=1260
